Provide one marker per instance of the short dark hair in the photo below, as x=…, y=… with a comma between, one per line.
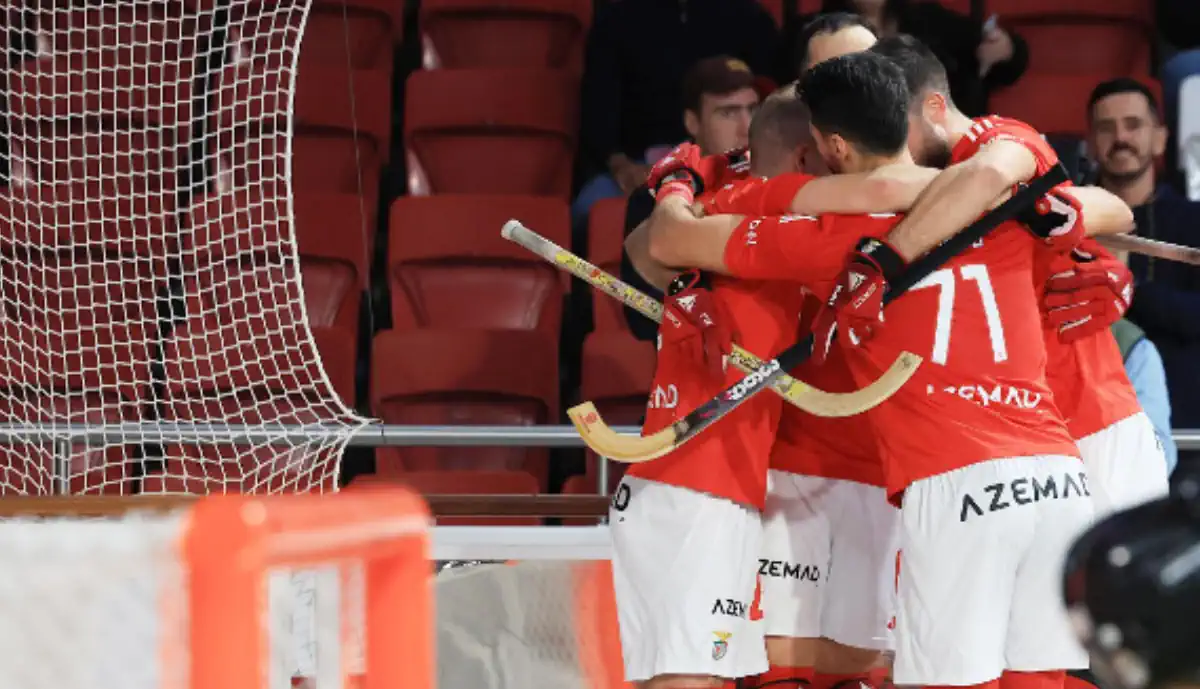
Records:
x=782, y=118
x=862, y=97
x=923, y=71
x=828, y=22
x=716, y=76
x=1123, y=85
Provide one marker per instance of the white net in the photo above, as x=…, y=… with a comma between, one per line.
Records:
x=149, y=269
x=542, y=619
x=107, y=603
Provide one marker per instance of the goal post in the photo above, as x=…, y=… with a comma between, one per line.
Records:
x=232, y=591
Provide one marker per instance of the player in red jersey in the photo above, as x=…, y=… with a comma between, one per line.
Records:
x=1083, y=293
x=974, y=434
x=779, y=142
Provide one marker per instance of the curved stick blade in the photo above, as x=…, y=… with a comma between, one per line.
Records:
x=831, y=405
x=604, y=441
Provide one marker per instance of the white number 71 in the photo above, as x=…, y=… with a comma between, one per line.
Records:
x=944, y=280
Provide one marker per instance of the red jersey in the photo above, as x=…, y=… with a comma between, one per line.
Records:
x=981, y=393
x=842, y=448
x=1091, y=388
x=730, y=459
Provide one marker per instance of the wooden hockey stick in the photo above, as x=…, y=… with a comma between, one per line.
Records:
x=810, y=399
x=1150, y=247
x=608, y=443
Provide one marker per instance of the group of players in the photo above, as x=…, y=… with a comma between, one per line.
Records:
x=922, y=541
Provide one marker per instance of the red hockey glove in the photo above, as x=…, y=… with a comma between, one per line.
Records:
x=856, y=305
x=686, y=165
x=692, y=309
x=1088, y=297
x=1057, y=220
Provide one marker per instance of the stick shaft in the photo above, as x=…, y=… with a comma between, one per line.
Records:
x=1150, y=247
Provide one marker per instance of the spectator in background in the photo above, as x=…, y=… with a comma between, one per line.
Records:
x=829, y=35
x=637, y=54
x=718, y=101
x=978, y=58
x=1144, y=366
x=1125, y=137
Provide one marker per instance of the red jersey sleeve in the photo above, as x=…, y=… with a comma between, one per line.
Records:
x=985, y=130
x=796, y=248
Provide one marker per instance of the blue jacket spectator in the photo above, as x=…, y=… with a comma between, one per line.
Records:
x=1144, y=367
x=1126, y=136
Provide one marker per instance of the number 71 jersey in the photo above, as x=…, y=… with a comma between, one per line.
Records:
x=981, y=393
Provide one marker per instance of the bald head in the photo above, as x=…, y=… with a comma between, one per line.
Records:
x=832, y=35
x=779, y=133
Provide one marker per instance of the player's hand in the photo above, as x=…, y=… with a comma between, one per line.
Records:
x=856, y=306
x=1056, y=219
x=692, y=309
x=1088, y=297
x=686, y=166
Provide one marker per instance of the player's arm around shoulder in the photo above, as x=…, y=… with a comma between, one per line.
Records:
x=887, y=189
x=675, y=237
x=1103, y=211
x=960, y=194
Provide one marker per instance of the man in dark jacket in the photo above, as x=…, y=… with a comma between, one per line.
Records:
x=1126, y=136
x=637, y=54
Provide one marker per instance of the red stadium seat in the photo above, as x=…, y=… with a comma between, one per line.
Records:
x=448, y=266
x=480, y=483
x=1051, y=103
x=332, y=99
x=355, y=34
x=434, y=377
x=606, y=239
x=120, y=65
x=775, y=8
x=515, y=33
x=77, y=336
x=1078, y=36
x=331, y=237
x=617, y=373
x=581, y=484
x=319, y=162
x=491, y=131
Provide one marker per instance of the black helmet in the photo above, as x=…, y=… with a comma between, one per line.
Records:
x=1132, y=587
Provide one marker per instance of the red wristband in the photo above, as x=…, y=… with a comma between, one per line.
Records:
x=675, y=188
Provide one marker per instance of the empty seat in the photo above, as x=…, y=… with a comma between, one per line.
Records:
x=354, y=36
x=482, y=131
x=317, y=162
x=606, y=240
x=516, y=33
x=464, y=377
x=250, y=226
x=1051, y=103
x=85, y=216
x=481, y=483
x=581, y=484
x=617, y=373
x=449, y=266
x=253, y=92
x=1078, y=36
x=127, y=163
x=121, y=64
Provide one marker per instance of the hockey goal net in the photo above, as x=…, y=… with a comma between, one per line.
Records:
x=230, y=592
x=149, y=273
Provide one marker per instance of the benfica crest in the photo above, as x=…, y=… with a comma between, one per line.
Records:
x=721, y=644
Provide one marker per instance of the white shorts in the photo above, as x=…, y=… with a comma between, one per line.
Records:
x=828, y=565
x=1125, y=464
x=982, y=550
x=684, y=575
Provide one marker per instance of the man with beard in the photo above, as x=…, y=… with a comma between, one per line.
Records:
x=1083, y=291
x=1125, y=135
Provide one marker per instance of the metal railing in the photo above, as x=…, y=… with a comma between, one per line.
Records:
x=65, y=436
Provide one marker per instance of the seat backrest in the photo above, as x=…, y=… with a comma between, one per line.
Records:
x=606, y=239
x=501, y=131
x=448, y=266
x=1081, y=47
x=518, y=33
